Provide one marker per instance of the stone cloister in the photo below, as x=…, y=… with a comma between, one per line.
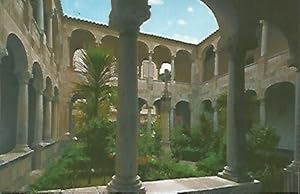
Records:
x=255, y=50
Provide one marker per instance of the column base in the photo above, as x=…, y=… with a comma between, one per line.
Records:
x=230, y=174
x=119, y=185
x=21, y=149
x=292, y=177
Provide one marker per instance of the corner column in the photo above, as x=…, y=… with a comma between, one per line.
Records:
x=22, y=115
x=236, y=132
x=126, y=17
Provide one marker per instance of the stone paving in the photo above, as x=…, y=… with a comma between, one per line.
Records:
x=211, y=184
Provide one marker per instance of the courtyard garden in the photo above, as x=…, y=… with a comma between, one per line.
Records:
x=88, y=158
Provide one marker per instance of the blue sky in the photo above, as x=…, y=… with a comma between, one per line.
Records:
x=185, y=20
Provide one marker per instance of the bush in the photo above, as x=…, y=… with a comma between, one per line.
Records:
x=157, y=169
x=212, y=164
x=61, y=174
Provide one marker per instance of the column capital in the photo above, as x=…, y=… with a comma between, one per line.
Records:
x=294, y=59
x=128, y=16
x=3, y=53
x=24, y=78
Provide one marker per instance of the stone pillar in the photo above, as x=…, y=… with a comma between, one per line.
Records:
x=38, y=121
x=40, y=14
x=236, y=132
x=262, y=112
x=38, y=129
x=293, y=170
x=149, y=118
x=165, y=127
x=173, y=69
x=22, y=115
x=126, y=17
x=264, y=38
x=48, y=118
x=54, y=118
x=50, y=29
x=150, y=66
x=216, y=72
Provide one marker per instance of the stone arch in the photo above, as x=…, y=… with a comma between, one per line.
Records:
x=80, y=39
x=183, y=115
x=156, y=104
x=13, y=73
x=183, y=65
x=280, y=110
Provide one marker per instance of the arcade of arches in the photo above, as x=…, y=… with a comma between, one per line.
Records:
x=38, y=53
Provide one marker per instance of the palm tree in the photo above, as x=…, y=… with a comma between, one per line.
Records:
x=96, y=67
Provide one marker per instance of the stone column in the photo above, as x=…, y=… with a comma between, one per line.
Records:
x=38, y=129
x=22, y=115
x=236, y=132
x=264, y=38
x=54, y=118
x=173, y=69
x=216, y=72
x=50, y=29
x=40, y=14
x=293, y=170
x=165, y=127
x=149, y=118
x=262, y=112
x=48, y=118
x=38, y=121
x=126, y=17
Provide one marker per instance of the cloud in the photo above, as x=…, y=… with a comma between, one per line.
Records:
x=185, y=38
x=181, y=22
x=190, y=9
x=156, y=2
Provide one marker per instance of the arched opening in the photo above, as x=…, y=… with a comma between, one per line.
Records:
x=80, y=39
x=183, y=64
x=252, y=109
x=143, y=56
x=164, y=66
x=13, y=69
x=143, y=111
x=209, y=64
x=280, y=110
x=182, y=112
x=161, y=55
x=47, y=104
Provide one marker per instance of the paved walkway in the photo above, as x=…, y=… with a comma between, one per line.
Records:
x=211, y=184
